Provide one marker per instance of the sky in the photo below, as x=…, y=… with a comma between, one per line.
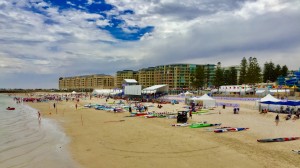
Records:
x=42, y=40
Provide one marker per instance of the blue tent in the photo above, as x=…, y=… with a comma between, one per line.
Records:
x=286, y=103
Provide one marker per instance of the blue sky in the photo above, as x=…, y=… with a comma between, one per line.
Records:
x=42, y=40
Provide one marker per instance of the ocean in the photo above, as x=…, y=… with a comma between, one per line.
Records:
x=27, y=143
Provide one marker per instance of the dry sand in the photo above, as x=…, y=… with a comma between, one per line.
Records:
x=105, y=139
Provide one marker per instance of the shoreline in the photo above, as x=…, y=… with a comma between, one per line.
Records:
x=100, y=139
x=25, y=142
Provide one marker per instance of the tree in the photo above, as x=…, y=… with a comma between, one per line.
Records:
x=243, y=71
x=284, y=70
x=218, y=81
x=233, y=76
x=226, y=77
x=253, y=74
x=277, y=71
x=198, y=80
x=269, y=72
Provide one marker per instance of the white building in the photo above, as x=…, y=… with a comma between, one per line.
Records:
x=234, y=89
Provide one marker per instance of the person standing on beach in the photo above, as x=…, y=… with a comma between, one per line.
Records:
x=76, y=106
x=54, y=105
x=277, y=119
x=130, y=110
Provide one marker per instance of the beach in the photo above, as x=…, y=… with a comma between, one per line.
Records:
x=106, y=139
x=26, y=143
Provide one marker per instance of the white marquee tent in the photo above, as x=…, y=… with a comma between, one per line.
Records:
x=207, y=101
x=269, y=97
x=155, y=88
x=106, y=92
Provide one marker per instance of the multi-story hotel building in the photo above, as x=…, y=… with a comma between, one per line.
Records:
x=125, y=74
x=177, y=76
x=97, y=81
x=146, y=77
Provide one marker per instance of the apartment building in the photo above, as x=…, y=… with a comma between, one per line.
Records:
x=146, y=77
x=97, y=81
x=125, y=74
x=176, y=76
x=210, y=73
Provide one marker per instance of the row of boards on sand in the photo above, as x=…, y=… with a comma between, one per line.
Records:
x=234, y=129
x=217, y=130
x=196, y=125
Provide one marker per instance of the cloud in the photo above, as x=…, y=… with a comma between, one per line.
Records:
x=40, y=39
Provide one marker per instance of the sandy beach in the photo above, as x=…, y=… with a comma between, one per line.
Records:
x=107, y=139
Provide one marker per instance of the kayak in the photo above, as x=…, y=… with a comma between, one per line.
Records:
x=296, y=151
x=199, y=112
x=181, y=125
x=278, y=139
x=201, y=125
x=150, y=116
x=141, y=114
x=10, y=108
x=229, y=130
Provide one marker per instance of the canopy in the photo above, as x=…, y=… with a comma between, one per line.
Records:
x=187, y=93
x=206, y=97
x=207, y=101
x=287, y=103
x=106, y=91
x=269, y=98
x=130, y=81
x=260, y=91
x=73, y=92
x=155, y=88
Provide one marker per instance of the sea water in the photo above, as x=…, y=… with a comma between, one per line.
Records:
x=26, y=142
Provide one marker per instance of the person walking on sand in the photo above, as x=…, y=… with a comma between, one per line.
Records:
x=277, y=119
x=54, y=105
x=39, y=116
x=76, y=106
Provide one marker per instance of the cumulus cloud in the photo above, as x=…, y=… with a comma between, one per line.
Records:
x=41, y=40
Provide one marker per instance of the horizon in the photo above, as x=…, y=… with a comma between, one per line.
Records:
x=43, y=40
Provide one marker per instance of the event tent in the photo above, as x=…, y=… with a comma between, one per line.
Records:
x=207, y=101
x=285, y=103
x=155, y=88
x=106, y=92
x=269, y=97
x=187, y=93
x=273, y=102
